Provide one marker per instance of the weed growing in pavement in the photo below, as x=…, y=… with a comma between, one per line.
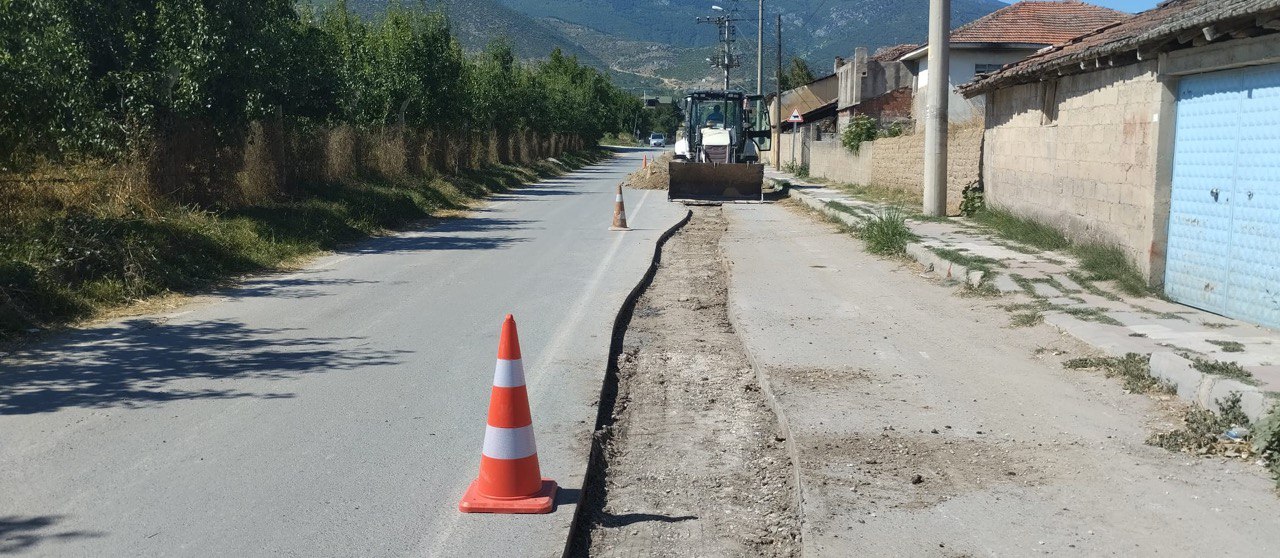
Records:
x=1161, y=315
x=1231, y=370
x=1087, y=284
x=1213, y=325
x=1108, y=263
x=1133, y=369
x=983, y=290
x=1027, y=319
x=1227, y=346
x=1203, y=429
x=1093, y=315
x=887, y=233
x=1022, y=230
x=1099, y=262
x=970, y=261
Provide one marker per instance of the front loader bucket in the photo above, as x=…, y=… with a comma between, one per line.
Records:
x=715, y=181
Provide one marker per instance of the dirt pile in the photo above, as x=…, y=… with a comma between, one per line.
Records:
x=692, y=465
x=653, y=177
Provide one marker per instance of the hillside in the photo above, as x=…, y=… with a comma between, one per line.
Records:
x=817, y=30
x=658, y=44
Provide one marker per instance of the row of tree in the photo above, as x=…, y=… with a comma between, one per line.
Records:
x=88, y=78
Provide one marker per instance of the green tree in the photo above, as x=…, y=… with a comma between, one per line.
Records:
x=796, y=74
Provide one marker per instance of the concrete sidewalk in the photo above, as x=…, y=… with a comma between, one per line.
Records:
x=922, y=427
x=1182, y=340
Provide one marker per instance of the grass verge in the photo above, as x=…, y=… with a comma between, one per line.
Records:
x=63, y=262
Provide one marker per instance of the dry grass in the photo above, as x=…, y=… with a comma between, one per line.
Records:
x=84, y=240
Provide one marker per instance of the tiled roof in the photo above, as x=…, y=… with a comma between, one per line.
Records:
x=1037, y=22
x=894, y=52
x=1159, y=25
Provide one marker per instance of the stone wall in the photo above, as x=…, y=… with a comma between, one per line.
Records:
x=1088, y=170
x=891, y=162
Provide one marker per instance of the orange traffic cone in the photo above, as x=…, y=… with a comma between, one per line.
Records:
x=510, y=480
x=645, y=163
x=619, y=213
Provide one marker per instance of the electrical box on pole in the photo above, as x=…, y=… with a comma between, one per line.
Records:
x=725, y=59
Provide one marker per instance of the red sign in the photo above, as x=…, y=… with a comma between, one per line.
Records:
x=795, y=116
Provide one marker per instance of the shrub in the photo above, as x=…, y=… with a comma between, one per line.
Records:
x=800, y=170
x=974, y=199
x=887, y=233
x=861, y=128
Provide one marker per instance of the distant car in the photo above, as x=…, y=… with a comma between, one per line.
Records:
x=657, y=140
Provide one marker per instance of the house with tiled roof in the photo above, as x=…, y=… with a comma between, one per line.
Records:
x=1160, y=135
x=1002, y=37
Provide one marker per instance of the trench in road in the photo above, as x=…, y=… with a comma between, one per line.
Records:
x=689, y=456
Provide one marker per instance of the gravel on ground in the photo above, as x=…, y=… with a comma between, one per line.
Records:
x=694, y=465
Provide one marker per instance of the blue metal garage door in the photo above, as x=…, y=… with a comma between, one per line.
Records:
x=1224, y=218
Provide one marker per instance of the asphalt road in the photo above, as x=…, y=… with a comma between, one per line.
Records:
x=335, y=411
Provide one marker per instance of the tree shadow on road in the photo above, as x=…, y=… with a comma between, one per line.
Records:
x=141, y=362
x=18, y=533
x=475, y=232
x=290, y=286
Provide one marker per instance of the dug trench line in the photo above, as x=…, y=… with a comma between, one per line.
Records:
x=686, y=460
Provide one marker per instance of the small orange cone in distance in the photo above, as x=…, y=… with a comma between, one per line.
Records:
x=619, y=213
x=645, y=163
x=510, y=480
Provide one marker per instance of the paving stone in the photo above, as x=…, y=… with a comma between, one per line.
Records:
x=1045, y=290
x=1067, y=283
x=1006, y=284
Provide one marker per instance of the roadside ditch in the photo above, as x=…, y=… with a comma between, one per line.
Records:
x=685, y=455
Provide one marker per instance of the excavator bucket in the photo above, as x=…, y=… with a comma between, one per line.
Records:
x=715, y=181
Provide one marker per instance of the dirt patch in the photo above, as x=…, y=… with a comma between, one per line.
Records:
x=653, y=177
x=692, y=460
x=910, y=470
x=804, y=379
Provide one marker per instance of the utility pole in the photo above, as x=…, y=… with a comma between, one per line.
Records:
x=777, y=97
x=760, y=52
x=725, y=59
x=936, y=117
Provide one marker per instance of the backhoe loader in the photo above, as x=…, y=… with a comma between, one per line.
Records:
x=718, y=158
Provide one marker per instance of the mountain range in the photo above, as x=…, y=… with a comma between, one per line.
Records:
x=659, y=44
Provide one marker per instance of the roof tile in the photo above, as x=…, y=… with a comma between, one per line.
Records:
x=1153, y=26
x=1037, y=22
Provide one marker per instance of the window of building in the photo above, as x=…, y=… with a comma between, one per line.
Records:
x=986, y=68
x=1049, y=102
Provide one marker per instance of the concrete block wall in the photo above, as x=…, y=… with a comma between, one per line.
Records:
x=892, y=162
x=829, y=159
x=1091, y=172
x=899, y=163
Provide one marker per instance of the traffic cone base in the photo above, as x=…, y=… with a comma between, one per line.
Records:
x=540, y=502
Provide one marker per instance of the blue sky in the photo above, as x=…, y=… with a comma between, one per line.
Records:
x=1123, y=5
